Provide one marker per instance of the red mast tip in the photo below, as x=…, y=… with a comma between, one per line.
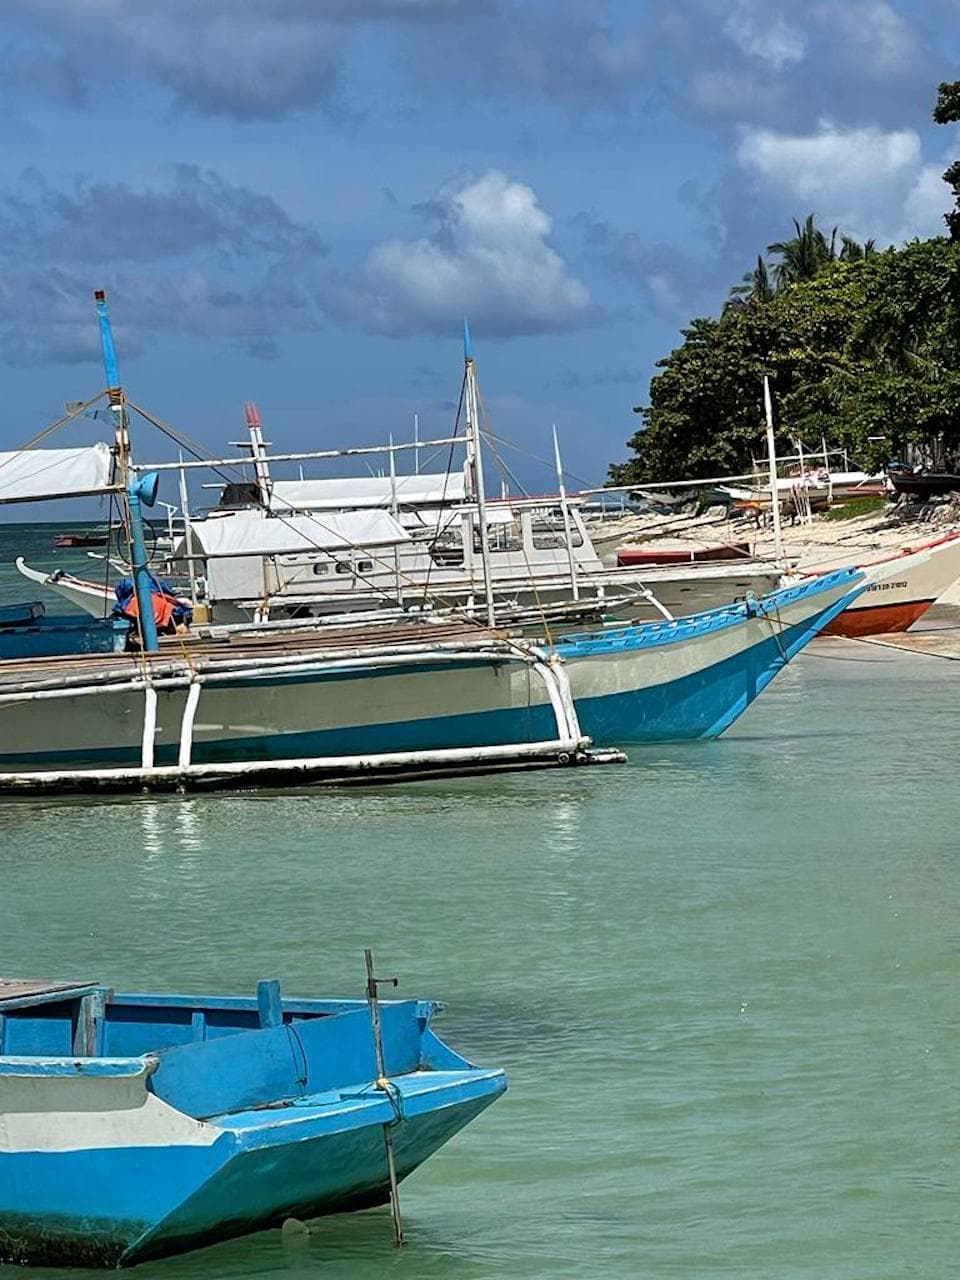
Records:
x=253, y=414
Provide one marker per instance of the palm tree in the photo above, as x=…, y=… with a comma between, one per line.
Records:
x=801, y=258
x=805, y=256
x=854, y=252
x=755, y=287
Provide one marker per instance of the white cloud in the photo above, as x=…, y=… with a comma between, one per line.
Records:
x=777, y=44
x=830, y=161
x=927, y=201
x=873, y=30
x=486, y=255
x=872, y=184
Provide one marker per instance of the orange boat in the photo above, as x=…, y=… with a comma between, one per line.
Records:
x=683, y=555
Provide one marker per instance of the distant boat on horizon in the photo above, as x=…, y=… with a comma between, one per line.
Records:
x=98, y=538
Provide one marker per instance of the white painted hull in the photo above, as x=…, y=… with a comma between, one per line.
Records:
x=902, y=587
x=89, y=597
x=681, y=591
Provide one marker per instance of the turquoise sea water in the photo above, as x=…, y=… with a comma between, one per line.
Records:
x=723, y=980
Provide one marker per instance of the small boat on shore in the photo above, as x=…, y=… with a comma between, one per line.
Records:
x=691, y=553
x=81, y=540
x=924, y=484
x=133, y=1126
x=902, y=586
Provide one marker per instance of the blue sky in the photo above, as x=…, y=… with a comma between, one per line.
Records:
x=296, y=201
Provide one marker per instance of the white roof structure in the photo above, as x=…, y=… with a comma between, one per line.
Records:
x=29, y=475
x=253, y=533
x=356, y=492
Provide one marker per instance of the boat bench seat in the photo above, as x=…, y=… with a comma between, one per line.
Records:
x=276, y=1064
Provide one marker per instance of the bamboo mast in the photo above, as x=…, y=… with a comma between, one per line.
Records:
x=475, y=468
x=772, y=460
x=140, y=491
x=564, y=507
x=258, y=453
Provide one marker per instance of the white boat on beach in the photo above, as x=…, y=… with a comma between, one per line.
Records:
x=902, y=585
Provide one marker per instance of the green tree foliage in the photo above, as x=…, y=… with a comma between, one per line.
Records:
x=801, y=258
x=947, y=111
x=866, y=352
x=756, y=285
x=863, y=348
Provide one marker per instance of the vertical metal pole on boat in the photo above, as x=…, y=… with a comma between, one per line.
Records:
x=416, y=443
x=139, y=493
x=475, y=464
x=562, y=490
x=394, y=510
x=772, y=460
x=373, y=982
x=187, y=529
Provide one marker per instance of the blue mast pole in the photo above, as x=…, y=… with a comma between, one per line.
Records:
x=140, y=492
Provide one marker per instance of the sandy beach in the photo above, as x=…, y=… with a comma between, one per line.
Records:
x=823, y=543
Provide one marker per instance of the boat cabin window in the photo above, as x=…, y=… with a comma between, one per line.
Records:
x=548, y=531
x=364, y=566
x=344, y=566
x=503, y=535
x=321, y=567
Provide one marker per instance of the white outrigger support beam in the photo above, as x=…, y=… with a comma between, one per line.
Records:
x=313, y=455
x=568, y=747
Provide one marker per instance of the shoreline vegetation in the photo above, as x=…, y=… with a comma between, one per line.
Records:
x=862, y=346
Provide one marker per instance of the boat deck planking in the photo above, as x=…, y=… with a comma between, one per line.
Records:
x=182, y=655
x=16, y=992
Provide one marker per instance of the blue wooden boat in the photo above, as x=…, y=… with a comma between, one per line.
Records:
x=28, y=631
x=693, y=677
x=134, y=1126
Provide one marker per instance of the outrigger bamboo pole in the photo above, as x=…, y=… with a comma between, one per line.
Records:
x=312, y=455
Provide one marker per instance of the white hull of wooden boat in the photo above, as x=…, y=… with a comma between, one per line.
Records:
x=89, y=597
x=681, y=591
x=902, y=587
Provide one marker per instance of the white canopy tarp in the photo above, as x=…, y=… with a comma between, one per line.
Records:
x=29, y=475
x=426, y=489
x=253, y=533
